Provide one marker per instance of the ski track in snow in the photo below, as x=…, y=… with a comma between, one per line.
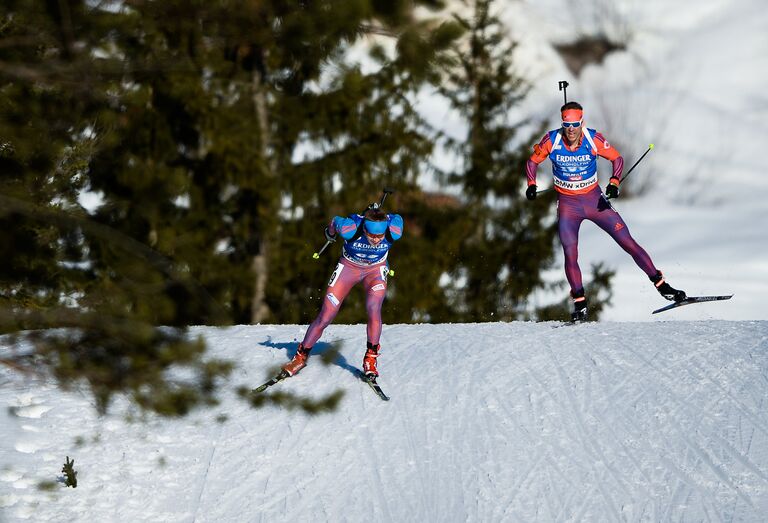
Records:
x=637, y=422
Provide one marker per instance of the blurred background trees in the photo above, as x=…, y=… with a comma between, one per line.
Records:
x=172, y=163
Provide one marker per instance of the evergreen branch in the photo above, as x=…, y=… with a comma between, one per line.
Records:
x=70, y=474
x=14, y=364
x=13, y=320
x=110, y=235
x=378, y=30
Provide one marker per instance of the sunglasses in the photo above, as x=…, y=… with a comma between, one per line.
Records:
x=374, y=236
x=572, y=124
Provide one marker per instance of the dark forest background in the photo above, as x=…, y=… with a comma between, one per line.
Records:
x=220, y=138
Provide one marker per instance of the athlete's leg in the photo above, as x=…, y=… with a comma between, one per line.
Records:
x=342, y=280
x=375, y=285
x=569, y=218
x=611, y=222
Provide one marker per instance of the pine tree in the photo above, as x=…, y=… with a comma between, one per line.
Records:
x=185, y=119
x=508, y=241
x=345, y=136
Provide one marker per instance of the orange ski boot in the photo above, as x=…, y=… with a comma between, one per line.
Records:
x=299, y=360
x=369, y=361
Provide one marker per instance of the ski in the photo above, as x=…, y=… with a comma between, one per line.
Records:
x=280, y=377
x=570, y=324
x=371, y=381
x=692, y=299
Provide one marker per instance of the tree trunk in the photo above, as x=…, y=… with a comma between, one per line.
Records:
x=260, y=267
x=260, y=264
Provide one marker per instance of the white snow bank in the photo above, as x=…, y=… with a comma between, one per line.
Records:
x=487, y=422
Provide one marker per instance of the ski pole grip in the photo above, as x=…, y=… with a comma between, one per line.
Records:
x=387, y=192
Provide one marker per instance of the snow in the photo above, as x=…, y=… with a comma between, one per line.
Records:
x=513, y=421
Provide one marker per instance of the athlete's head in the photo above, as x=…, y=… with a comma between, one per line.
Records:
x=572, y=115
x=375, y=225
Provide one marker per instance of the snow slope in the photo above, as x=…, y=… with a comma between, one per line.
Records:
x=488, y=422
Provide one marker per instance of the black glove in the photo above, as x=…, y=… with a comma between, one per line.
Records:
x=328, y=235
x=530, y=192
x=612, y=191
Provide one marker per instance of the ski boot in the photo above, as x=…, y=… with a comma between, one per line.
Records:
x=579, y=313
x=299, y=360
x=666, y=289
x=369, y=361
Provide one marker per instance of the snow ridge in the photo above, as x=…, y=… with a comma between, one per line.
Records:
x=488, y=422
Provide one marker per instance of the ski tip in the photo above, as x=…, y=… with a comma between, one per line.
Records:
x=693, y=299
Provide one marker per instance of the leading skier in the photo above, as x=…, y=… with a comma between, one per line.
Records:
x=367, y=240
x=573, y=151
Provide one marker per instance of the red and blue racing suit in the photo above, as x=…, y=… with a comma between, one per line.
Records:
x=579, y=196
x=361, y=261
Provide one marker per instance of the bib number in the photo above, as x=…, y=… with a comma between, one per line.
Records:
x=335, y=275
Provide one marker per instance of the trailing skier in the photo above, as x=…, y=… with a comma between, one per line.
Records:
x=573, y=151
x=367, y=240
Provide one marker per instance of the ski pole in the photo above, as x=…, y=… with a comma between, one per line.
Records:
x=316, y=256
x=562, y=85
x=387, y=192
x=650, y=146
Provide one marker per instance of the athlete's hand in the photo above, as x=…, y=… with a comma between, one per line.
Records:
x=612, y=191
x=530, y=192
x=328, y=236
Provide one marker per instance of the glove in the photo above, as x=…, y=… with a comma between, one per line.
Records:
x=612, y=191
x=328, y=236
x=530, y=192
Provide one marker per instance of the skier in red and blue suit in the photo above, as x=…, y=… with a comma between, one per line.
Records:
x=573, y=151
x=367, y=240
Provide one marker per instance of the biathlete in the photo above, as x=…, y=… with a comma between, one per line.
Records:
x=573, y=151
x=367, y=240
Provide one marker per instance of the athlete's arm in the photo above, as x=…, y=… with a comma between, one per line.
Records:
x=344, y=226
x=609, y=152
x=395, y=226
x=540, y=152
